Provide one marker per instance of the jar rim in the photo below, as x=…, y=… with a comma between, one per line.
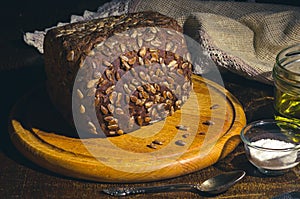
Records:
x=278, y=60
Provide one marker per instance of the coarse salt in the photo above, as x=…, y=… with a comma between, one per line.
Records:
x=273, y=159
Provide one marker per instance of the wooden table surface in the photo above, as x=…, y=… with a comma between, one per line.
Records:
x=20, y=178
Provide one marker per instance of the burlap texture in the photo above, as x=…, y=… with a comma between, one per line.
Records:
x=242, y=37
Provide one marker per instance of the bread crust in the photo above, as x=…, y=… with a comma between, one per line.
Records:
x=107, y=50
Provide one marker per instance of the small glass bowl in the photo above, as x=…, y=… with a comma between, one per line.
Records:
x=272, y=146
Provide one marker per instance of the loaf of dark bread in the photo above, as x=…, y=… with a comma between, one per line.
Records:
x=126, y=71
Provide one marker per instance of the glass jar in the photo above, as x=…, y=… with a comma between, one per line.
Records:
x=286, y=75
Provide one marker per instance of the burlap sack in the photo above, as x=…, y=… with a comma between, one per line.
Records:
x=242, y=37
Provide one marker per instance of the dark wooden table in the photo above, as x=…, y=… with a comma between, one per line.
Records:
x=22, y=68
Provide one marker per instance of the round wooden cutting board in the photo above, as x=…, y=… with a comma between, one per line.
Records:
x=213, y=118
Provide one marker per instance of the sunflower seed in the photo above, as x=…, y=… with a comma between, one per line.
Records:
x=117, y=76
x=133, y=98
x=79, y=94
x=131, y=122
x=108, y=64
x=170, y=32
x=175, y=49
x=91, y=53
x=147, y=62
x=70, y=55
x=178, y=90
x=169, y=95
x=158, y=72
x=112, y=97
x=103, y=110
x=140, y=120
x=215, y=106
x=156, y=43
x=163, y=67
x=169, y=46
x=182, y=127
x=147, y=120
x=208, y=122
x=133, y=72
x=154, y=57
x=140, y=42
x=92, y=83
x=142, y=75
x=132, y=87
x=142, y=52
x=148, y=104
x=109, y=118
x=152, y=146
x=180, y=143
x=126, y=88
x=149, y=37
x=178, y=103
x=92, y=126
x=132, y=60
x=172, y=63
x=140, y=88
x=156, y=86
x=118, y=101
x=109, y=75
x=184, y=65
x=91, y=92
x=140, y=102
x=134, y=34
x=97, y=75
x=113, y=127
x=188, y=57
x=99, y=44
x=172, y=111
x=82, y=109
x=112, y=132
x=158, y=142
x=153, y=30
x=147, y=87
x=180, y=71
x=156, y=98
x=120, y=132
x=110, y=108
x=148, y=78
x=141, y=61
x=144, y=95
x=82, y=62
x=124, y=58
x=135, y=82
x=119, y=111
x=110, y=89
x=186, y=85
x=122, y=47
x=152, y=89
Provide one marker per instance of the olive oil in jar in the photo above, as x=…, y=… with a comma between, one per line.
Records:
x=287, y=107
x=286, y=75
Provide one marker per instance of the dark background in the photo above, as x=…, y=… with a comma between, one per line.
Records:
x=21, y=67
